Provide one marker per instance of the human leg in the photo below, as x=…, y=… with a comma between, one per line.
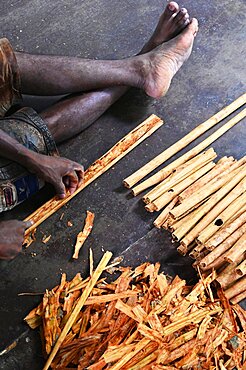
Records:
x=51, y=75
x=86, y=108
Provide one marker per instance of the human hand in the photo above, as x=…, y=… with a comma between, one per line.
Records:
x=60, y=172
x=11, y=238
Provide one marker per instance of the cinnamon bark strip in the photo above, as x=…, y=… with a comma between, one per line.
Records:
x=236, y=289
x=220, y=167
x=159, y=176
x=235, y=226
x=222, y=218
x=223, y=247
x=238, y=249
x=241, y=269
x=118, y=151
x=164, y=214
x=102, y=264
x=238, y=298
x=182, y=143
x=165, y=198
x=228, y=275
x=83, y=235
x=190, y=167
x=210, y=188
x=213, y=207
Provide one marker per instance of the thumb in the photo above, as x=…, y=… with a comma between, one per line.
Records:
x=28, y=224
x=60, y=189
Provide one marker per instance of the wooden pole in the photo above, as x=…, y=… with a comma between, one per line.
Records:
x=118, y=151
x=162, y=174
x=175, y=148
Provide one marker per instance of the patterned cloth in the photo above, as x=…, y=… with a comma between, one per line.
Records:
x=26, y=126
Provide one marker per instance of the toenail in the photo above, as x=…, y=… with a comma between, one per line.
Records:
x=171, y=7
x=183, y=10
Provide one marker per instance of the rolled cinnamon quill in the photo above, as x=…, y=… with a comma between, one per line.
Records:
x=236, y=289
x=237, y=226
x=230, y=211
x=159, y=176
x=182, y=143
x=212, y=206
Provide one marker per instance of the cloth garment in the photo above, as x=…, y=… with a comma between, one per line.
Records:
x=26, y=126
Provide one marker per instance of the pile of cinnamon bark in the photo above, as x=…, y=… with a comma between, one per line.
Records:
x=141, y=320
x=202, y=203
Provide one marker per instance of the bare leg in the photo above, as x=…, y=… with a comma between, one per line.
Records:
x=86, y=108
x=51, y=75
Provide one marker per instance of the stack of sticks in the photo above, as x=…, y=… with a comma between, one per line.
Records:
x=141, y=320
x=203, y=204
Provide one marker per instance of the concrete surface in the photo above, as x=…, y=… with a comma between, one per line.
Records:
x=213, y=77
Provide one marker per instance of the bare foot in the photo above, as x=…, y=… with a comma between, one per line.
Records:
x=160, y=65
x=172, y=21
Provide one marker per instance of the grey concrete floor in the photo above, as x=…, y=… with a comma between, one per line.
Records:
x=212, y=77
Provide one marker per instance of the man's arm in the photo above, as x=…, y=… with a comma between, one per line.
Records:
x=58, y=171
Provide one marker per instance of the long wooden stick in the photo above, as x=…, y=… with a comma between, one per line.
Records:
x=118, y=151
x=159, y=176
x=238, y=249
x=223, y=247
x=191, y=166
x=220, y=166
x=236, y=288
x=212, y=206
x=165, y=198
x=101, y=266
x=234, y=226
x=208, y=190
x=238, y=298
x=222, y=218
x=175, y=148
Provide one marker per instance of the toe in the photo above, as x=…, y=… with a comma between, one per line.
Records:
x=171, y=8
x=181, y=14
x=193, y=26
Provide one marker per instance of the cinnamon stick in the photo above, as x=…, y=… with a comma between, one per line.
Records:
x=238, y=298
x=215, y=205
x=241, y=269
x=164, y=214
x=190, y=167
x=211, y=187
x=237, y=226
x=159, y=176
x=165, y=198
x=236, y=289
x=182, y=143
x=238, y=249
x=222, y=218
x=118, y=151
x=220, y=167
x=223, y=247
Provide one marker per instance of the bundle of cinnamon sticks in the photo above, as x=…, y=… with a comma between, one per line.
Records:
x=203, y=204
x=141, y=320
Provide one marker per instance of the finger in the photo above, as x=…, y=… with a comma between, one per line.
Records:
x=80, y=175
x=66, y=181
x=73, y=182
x=60, y=189
x=28, y=224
